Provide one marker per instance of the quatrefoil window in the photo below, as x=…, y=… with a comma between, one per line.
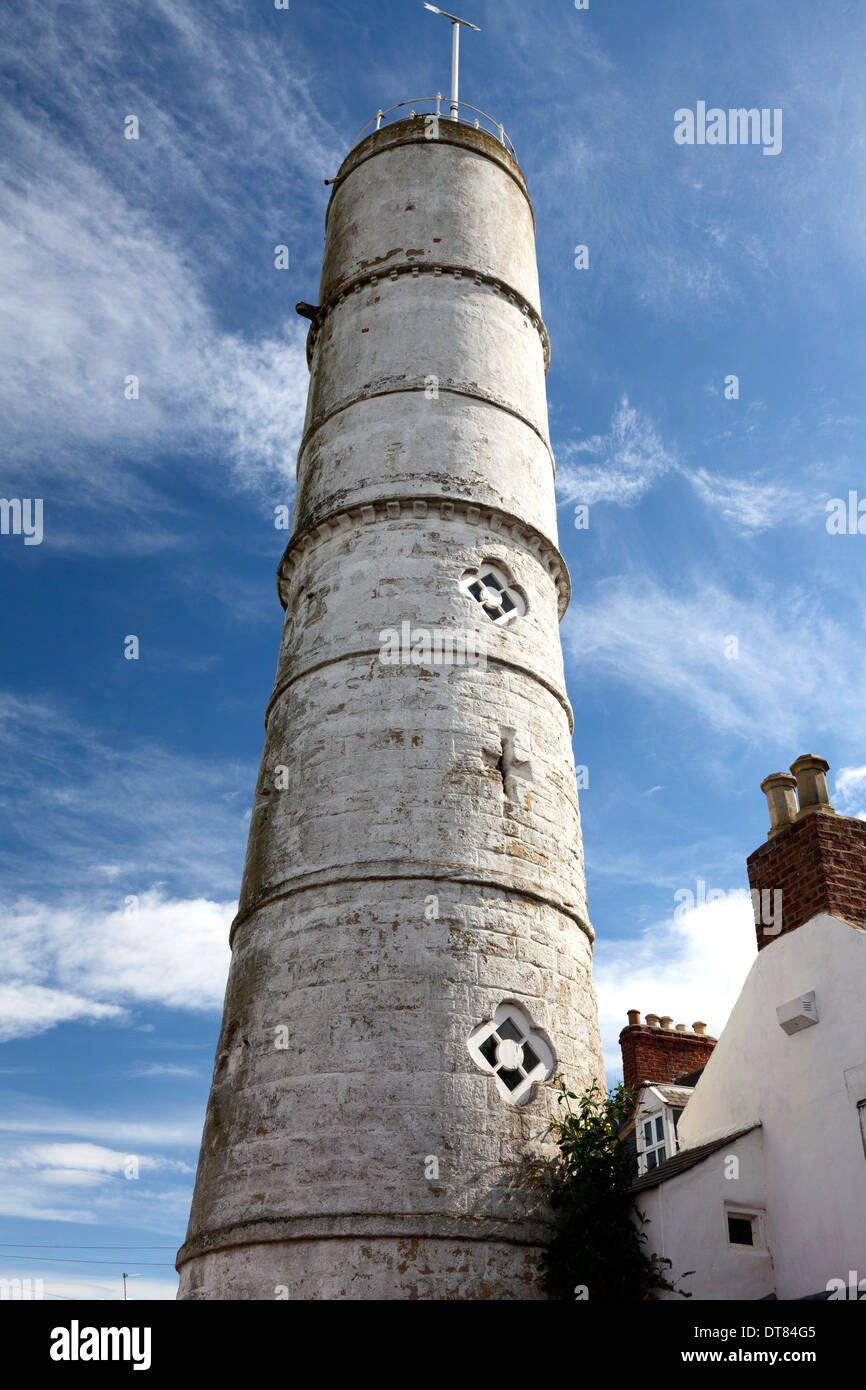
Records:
x=507, y=1046
x=499, y=597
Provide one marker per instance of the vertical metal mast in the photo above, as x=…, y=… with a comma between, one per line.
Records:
x=455, y=54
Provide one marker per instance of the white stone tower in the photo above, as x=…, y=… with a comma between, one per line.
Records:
x=412, y=953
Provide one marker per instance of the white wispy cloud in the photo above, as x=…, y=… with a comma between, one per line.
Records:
x=620, y=466
x=793, y=672
x=115, y=1169
x=753, y=505
x=32, y=1115
x=104, y=278
x=165, y=1069
x=623, y=465
x=80, y=805
x=169, y=953
x=85, y=1158
x=98, y=295
x=691, y=969
x=90, y=1196
x=850, y=791
x=27, y=1009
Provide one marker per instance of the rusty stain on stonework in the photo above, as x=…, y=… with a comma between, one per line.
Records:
x=379, y=260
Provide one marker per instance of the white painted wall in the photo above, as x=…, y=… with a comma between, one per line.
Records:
x=689, y=1224
x=804, y=1089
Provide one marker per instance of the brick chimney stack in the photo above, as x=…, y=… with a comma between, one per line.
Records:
x=814, y=860
x=657, y=1051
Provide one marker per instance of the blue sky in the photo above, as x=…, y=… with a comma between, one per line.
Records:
x=125, y=786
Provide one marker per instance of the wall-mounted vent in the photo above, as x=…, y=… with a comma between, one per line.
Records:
x=798, y=1013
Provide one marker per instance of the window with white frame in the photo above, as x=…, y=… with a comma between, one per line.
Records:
x=656, y=1136
x=745, y=1229
x=653, y=1144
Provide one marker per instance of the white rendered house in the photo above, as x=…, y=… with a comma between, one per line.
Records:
x=766, y=1197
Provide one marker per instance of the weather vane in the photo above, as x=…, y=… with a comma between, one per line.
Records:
x=455, y=53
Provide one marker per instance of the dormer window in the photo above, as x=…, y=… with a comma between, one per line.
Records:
x=658, y=1111
x=654, y=1142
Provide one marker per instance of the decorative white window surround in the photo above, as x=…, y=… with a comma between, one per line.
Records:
x=507, y=1047
x=490, y=586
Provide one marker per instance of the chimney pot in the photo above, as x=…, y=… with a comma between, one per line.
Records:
x=670, y=1051
x=812, y=783
x=634, y=1018
x=780, y=790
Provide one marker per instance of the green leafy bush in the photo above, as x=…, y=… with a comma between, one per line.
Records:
x=597, y=1249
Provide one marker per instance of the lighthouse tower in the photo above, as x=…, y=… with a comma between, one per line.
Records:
x=411, y=958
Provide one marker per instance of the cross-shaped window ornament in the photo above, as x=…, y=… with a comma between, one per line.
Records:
x=500, y=599
x=508, y=1046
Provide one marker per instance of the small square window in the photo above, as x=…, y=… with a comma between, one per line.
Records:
x=651, y=1159
x=530, y=1061
x=648, y=1133
x=660, y=1128
x=661, y=1153
x=511, y=1078
x=741, y=1230
x=488, y=1050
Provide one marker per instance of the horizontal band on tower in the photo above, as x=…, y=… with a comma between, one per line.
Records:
x=416, y=269
x=421, y=385
x=420, y=873
x=366, y=1226
x=413, y=131
x=371, y=652
x=420, y=504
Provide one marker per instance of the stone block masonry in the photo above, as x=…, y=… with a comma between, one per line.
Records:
x=415, y=861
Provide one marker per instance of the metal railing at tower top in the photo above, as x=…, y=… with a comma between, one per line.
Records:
x=436, y=104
